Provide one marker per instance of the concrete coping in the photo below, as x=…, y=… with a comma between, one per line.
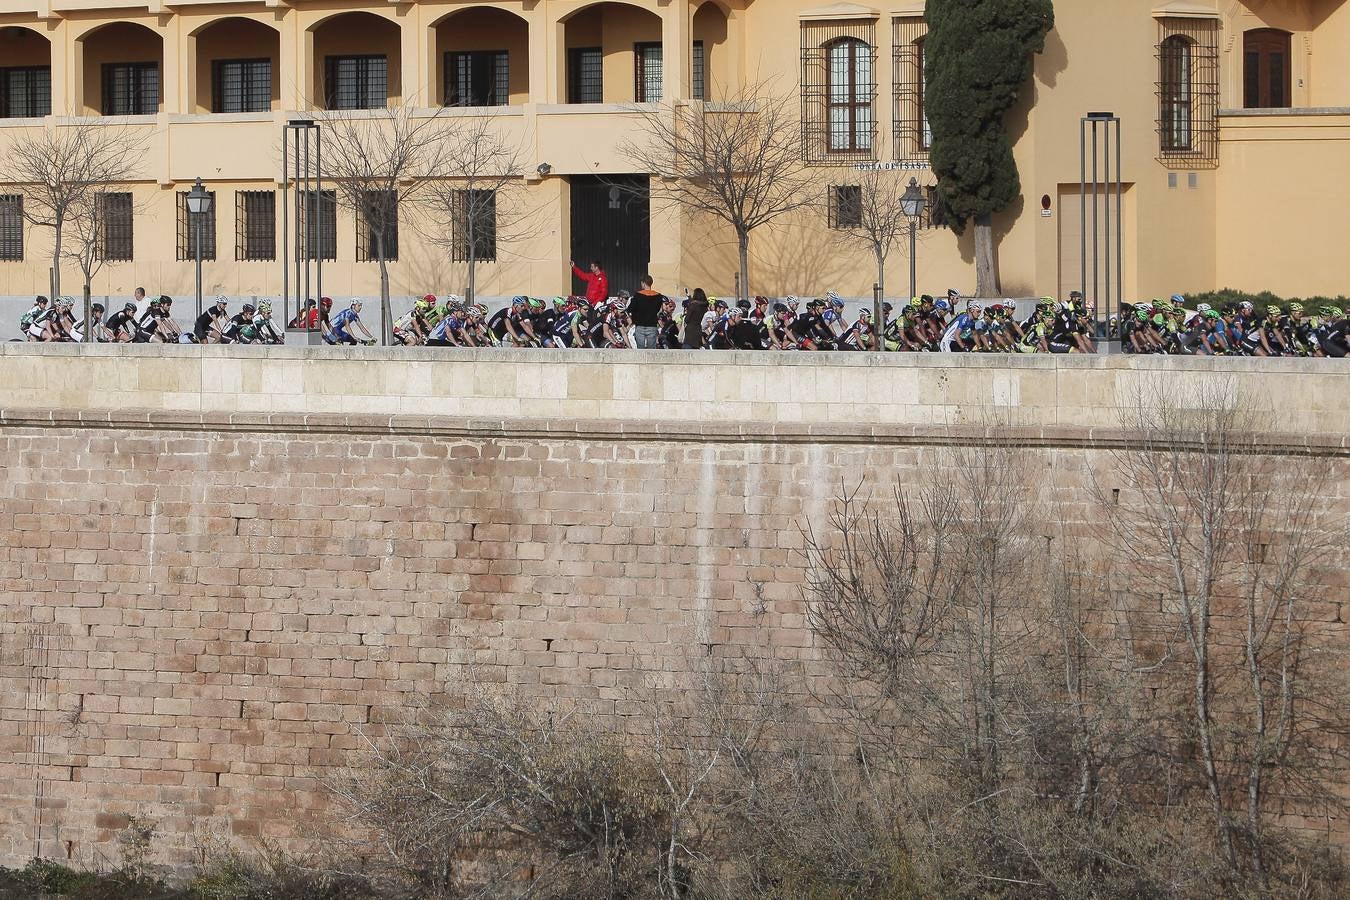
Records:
x=740, y=358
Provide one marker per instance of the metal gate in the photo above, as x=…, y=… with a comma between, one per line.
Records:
x=611, y=222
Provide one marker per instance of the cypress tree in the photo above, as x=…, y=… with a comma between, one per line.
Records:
x=978, y=54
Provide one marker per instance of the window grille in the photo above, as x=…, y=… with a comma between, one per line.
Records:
x=11, y=227
x=845, y=204
x=699, y=74
x=647, y=73
x=241, y=85
x=585, y=75
x=255, y=225
x=25, y=92
x=318, y=217
x=839, y=90
x=474, y=222
x=912, y=134
x=477, y=78
x=115, y=227
x=356, y=82
x=1188, y=93
x=130, y=89
x=379, y=214
x=192, y=228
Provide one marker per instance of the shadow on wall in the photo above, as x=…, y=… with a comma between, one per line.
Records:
x=787, y=259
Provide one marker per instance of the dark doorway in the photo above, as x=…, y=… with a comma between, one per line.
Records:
x=611, y=222
x=1265, y=69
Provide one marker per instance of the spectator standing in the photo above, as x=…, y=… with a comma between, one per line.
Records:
x=597, y=282
x=693, y=320
x=645, y=310
x=306, y=319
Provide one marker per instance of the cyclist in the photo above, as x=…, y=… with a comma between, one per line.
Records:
x=960, y=335
x=668, y=326
x=209, y=324
x=234, y=327
x=263, y=327
x=122, y=325
x=782, y=336
x=95, y=323
x=344, y=323
x=34, y=323
x=832, y=317
x=1333, y=333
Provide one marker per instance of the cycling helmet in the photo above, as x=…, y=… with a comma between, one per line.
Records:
x=326, y=302
x=926, y=298
x=780, y=308
x=864, y=313
x=454, y=298
x=534, y=303
x=65, y=302
x=744, y=305
x=1203, y=308
x=915, y=302
x=953, y=294
x=1213, y=314
x=222, y=299
x=355, y=304
x=719, y=304
x=942, y=305
x=834, y=299
x=1333, y=312
x=423, y=305
x=521, y=301
x=886, y=307
x=1295, y=307
x=625, y=295
x=249, y=307
x=265, y=307
x=1178, y=299
x=430, y=299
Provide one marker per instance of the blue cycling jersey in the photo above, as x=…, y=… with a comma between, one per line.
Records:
x=342, y=320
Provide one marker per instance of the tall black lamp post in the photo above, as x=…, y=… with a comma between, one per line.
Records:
x=199, y=205
x=912, y=204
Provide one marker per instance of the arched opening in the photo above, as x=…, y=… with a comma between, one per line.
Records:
x=1266, y=63
x=850, y=84
x=237, y=65
x=123, y=70
x=482, y=58
x=614, y=55
x=25, y=74
x=1175, y=80
x=713, y=67
x=356, y=62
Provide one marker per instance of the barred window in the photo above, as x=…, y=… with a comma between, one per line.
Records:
x=585, y=75
x=255, y=225
x=913, y=136
x=839, y=88
x=846, y=206
x=356, y=82
x=241, y=85
x=115, y=224
x=25, y=92
x=647, y=73
x=193, y=229
x=130, y=89
x=318, y=214
x=11, y=227
x=377, y=218
x=478, y=78
x=474, y=224
x=699, y=69
x=1188, y=92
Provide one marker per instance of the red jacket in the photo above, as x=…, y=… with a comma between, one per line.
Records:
x=597, y=285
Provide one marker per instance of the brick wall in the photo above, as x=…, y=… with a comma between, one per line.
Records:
x=202, y=613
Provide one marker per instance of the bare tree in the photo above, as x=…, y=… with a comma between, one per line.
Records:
x=61, y=169
x=1229, y=536
x=738, y=160
x=84, y=242
x=379, y=161
x=479, y=200
x=872, y=217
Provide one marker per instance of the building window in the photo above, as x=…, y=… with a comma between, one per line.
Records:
x=378, y=216
x=699, y=69
x=1176, y=93
x=478, y=78
x=255, y=225
x=318, y=214
x=114, y=232
x=647, y=73
x=130, y=89
x=241, y=85
x=25, y=92
x=356, y=82
x=913, y=137
x=839, y=89
x=1266, y=53
x=474, y=224
x=846, y=206
x=585, y=75
x=1188, y=92
x=193, y=229
x=11, y=227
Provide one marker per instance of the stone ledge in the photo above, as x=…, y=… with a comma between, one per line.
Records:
x=412, y=426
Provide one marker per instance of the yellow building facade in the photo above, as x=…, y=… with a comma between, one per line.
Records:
x=1235, y=135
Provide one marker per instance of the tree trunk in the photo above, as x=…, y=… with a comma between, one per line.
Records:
x=56, y=265
x=743, y=244
x=88, y=335
x=386, y=314
x=987, y=285
x=880, y=255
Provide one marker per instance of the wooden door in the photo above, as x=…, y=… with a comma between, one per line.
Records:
x=1266, y=59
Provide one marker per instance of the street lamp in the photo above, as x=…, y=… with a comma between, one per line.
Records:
x=198, y=204
x=912, y=204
